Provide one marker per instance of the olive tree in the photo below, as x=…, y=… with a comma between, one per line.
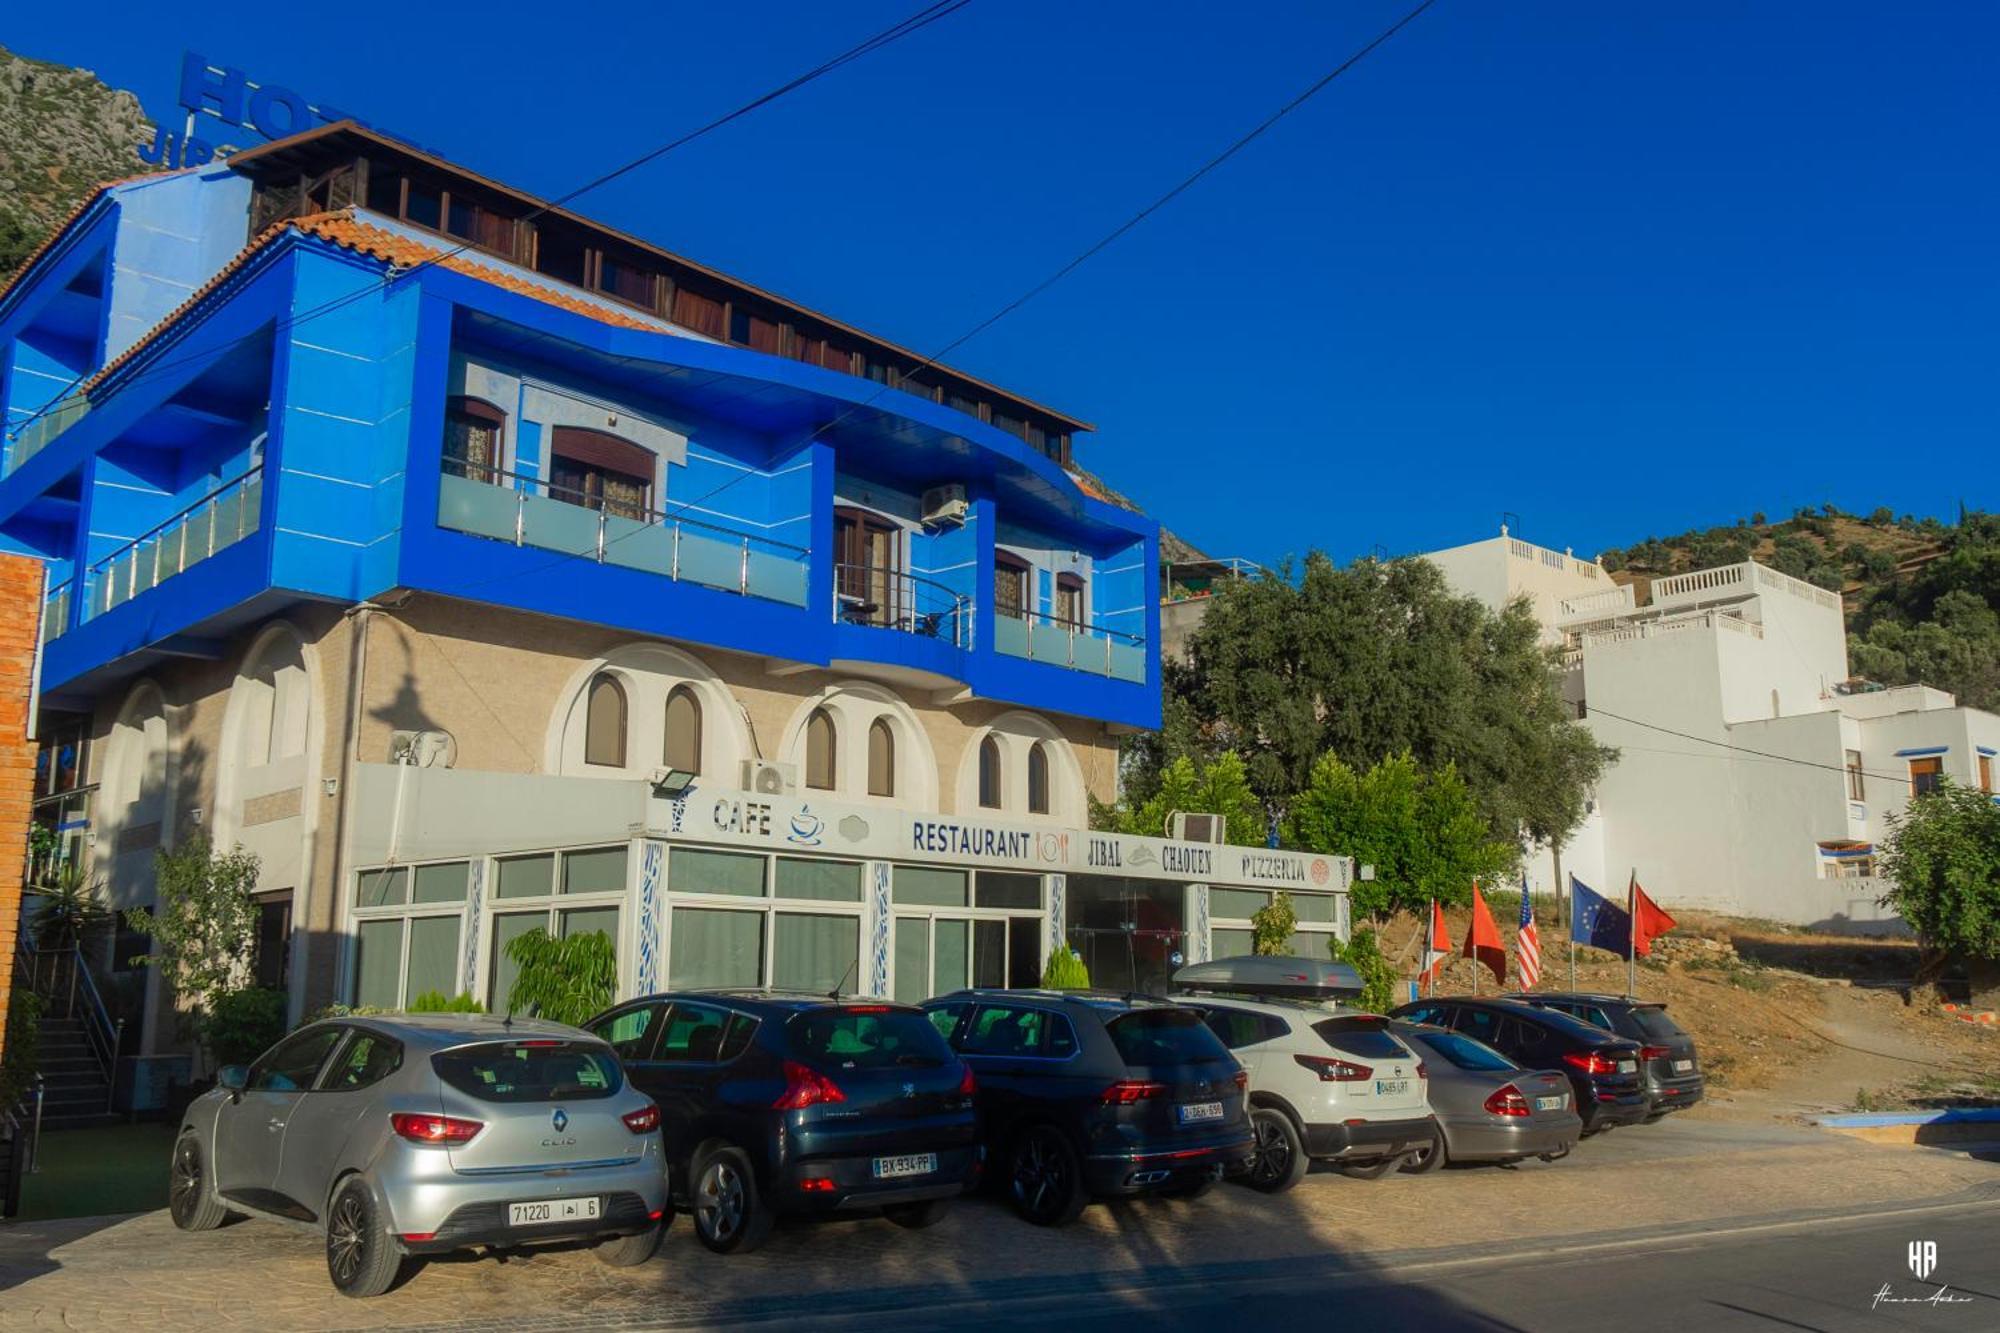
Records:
x=1942, y=858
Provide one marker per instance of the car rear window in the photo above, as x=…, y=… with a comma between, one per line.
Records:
x=1155, y=1037
x=868, y=1038
x=531, y=1071
x=1365, y=1037
x=1654, y=1025
x=1465, y=1052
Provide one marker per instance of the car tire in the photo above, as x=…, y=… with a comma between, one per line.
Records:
x=361, y=1259
x=917, y=1216
x=631, y=1251
x=1370, y=1171
x=191, y=1197
x=1280, y=1161
x=1428, y=1157
x=730, y=1216
x=1045, y=1177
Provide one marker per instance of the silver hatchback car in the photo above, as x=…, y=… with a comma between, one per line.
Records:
x=408, y=1135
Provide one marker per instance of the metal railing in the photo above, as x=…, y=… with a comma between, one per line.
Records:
x=55, y=610
x=218, y=520
x=1041, y=637
x=893, y=599
x=77, y=992
x=528, y=511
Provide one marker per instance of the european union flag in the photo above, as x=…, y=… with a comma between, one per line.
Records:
x=1596, y=920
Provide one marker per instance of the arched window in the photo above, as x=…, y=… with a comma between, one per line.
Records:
x=881, y=758
x=683, y=730
x=1038, y=779
x=472, y=434
x=604, y=723
x=821, y=750
x=989, y=773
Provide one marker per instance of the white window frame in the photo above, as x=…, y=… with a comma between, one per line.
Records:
x=551, y=905
x=769, y=906
x=404, y=912
x=932, y=913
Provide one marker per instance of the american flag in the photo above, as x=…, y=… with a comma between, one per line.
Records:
x=1528, y=942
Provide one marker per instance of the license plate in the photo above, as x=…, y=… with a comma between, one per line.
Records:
x=1628, y=1066
x=1683, y=1066
x=1192, y=1113
x=1391, y=1087
x=911, y=1164
x=544, y=1211
x=1550, y=1103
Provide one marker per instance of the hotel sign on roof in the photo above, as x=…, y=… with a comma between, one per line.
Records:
x=811, y=825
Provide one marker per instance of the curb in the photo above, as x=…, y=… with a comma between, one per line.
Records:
x=1876, y=1120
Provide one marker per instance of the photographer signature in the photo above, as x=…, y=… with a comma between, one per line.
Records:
x=1942, y=1296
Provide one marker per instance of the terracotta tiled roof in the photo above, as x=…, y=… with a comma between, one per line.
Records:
x=55, y=232
x=379, y=243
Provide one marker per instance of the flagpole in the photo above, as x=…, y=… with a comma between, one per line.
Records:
x=1631, y=932
x=1570, y=895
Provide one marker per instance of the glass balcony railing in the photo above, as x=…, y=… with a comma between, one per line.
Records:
x=211, y=524
x=527, y=511
x=891, y=599
x=1040, y=637
x=55, y=611
x=50, y=422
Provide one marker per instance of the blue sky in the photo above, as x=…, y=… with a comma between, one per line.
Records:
x=1620, y=269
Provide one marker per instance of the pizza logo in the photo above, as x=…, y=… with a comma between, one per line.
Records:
x=1319, y=871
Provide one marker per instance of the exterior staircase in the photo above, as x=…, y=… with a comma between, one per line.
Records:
x=75, y=1093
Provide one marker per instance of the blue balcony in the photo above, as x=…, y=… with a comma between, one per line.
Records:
x=1040, y=637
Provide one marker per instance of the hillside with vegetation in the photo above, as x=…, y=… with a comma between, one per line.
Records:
x=1922, y=596
x=62, y=132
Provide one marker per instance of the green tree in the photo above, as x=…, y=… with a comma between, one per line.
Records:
x=1065, y=970
x=1218, y=787
x=1273, y=925
x=204, y=927
x=1366, y=662
x=1422, y=832
x=1942, y=857
x=566, y=979
x=1379, y=978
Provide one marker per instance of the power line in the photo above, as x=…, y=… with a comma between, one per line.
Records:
x=923, y=18
x=1595, y=711
x=1068, y=267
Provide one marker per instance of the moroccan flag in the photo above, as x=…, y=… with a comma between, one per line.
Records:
x=1438, y=947
x=1482, y=941
x=1649, y=920
x=1528, y=941
x=1596, y=920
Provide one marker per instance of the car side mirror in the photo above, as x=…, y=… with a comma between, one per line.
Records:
x=233, y=1079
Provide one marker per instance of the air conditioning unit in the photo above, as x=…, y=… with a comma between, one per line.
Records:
x=1183, y=826
x=423, y=749
x=769, y=779
x=945, y=506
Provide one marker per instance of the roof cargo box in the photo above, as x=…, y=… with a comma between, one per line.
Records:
x=1258, y=974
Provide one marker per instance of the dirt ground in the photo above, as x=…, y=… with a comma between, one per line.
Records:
x=1789, y=1023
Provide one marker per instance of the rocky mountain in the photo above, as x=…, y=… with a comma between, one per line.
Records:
x=62, y=131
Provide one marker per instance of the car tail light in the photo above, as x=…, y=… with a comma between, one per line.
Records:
x=806, y=1087
x=1655, y=1052
x=434, y=1129
x=1423, y=1070
x=644, y=1120
x=865, y=1009
x=815, y=1185
x=537, y=1044
x=1335, y=1071
x=1243, y=1080
x=418, y=1237
x=1127, y=1091
x=1507, y=1101
x=1590, y=1062
x=967, y=1084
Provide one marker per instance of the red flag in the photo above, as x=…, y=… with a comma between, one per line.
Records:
x=1482, y=941
x=1649, y=920
x=1438, y=947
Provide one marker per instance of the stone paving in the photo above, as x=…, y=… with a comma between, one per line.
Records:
x=138, y=1272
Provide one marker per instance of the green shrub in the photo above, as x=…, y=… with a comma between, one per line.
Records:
x=1065, y=970
x=22, y=1056
x=244, y=1024
x=567, y=980
x=437, y=1002
x=1273, y=924
x=1379, y=978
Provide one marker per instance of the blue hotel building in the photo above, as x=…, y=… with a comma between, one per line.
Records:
x=483, y=569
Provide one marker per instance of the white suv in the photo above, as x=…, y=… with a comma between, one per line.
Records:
x=1325, y=1082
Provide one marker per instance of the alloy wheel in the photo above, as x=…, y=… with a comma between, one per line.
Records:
x=1273, y=1155
x=719, y=1201
x=347, y=1237
x=1038, y=1174
x=185, y=1191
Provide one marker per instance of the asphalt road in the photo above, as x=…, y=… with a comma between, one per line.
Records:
x=1817, y=1274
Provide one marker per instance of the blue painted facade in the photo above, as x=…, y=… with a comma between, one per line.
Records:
x=283, y=439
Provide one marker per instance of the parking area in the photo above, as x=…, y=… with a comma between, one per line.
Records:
x=1703, y=1170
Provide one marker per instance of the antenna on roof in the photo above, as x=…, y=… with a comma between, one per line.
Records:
x=834, y=994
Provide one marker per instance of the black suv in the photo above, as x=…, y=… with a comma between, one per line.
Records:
x=1666, y=1053
x=1088, y=1094
x=773, y=1102
x=1603, y=1068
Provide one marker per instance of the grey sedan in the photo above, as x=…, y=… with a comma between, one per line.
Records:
x=411, y=1135
x=1488, y=1108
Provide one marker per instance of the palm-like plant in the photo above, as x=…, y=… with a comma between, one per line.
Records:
x=71, y=910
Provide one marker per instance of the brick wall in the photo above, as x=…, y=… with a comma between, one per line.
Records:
x=20, y=625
